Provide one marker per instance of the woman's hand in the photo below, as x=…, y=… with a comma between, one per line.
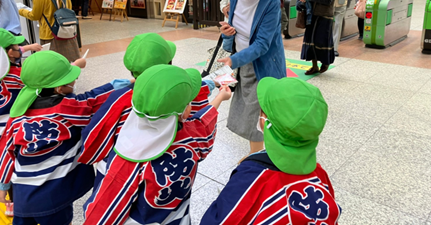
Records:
x=226, y=29
x=227, y=61
x=226, y=10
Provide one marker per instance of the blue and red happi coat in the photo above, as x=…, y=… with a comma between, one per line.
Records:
x=100, y=135
x=39, y=152
x=256, y=194
x=10, y=86
x=157, y=191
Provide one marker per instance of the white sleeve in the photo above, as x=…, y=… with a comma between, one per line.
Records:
x=223, y=3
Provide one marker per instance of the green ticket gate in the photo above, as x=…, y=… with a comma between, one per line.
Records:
x=387, y=22
x=291, y=30
x=426, y=32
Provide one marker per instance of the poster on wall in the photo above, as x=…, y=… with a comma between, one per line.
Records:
x=120, y=4
x=139, y=4
x=175, y=6
x=108, y=4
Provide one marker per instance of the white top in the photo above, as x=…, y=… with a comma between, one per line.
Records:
x=242, y=20
x=223, y=3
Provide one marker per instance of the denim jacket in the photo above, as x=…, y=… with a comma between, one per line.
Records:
x=266, y=49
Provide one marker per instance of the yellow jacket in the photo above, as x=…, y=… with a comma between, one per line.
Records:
x=47, y=8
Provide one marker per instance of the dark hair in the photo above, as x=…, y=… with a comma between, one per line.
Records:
x=8, y=47
x=46, y=92
x=170, y=63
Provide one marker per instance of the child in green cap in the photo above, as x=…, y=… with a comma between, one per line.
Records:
x=282, y=184
x=99, y=136
x=41, y=142
x=153, y=166
x=11, y=83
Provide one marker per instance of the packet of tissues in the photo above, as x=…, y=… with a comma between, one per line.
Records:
x=223, y=76
x=226, y=79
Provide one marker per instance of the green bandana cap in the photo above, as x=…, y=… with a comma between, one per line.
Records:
x=160, y=94
x=146, y=50
x=7, y=38
x=164, y=90
x=45, y=69
x=297, y=113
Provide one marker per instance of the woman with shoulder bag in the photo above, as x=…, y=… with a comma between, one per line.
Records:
x=254, y=33
x=318, y=42
x=68, y=48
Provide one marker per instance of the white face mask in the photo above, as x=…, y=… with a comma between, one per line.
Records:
x=258, y=124
x=184, y=119
x=73, y=87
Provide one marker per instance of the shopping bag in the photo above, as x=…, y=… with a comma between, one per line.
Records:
x=212, y=65
x=360, y=9
x=300, y=20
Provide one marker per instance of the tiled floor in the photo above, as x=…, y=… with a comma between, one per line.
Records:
x=376, y=144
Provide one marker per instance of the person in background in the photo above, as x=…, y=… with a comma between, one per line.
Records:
x=68, y=48
x=361, y=28
x=360, y=25
x=84, y=8
x=340, y=11
x=282, y=184
x=318, y=44
x=9, y=17
x=284, y=19
x=254, y=27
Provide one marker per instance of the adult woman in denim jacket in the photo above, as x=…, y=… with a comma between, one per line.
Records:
x=253, y=32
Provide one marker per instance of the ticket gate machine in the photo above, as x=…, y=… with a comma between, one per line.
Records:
x=291, y=29
x=387, y=22
x=350, y=22
x=426, y=32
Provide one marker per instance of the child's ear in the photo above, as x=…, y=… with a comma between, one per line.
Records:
x=58, y=90
x=10, y=53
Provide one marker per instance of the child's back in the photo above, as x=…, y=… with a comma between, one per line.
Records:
x=10, y=83
x=10, y=86
x=41, y=143
x=283, y=184
x=151, y=172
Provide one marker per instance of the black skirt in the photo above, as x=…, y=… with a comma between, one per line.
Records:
x=318, y=43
